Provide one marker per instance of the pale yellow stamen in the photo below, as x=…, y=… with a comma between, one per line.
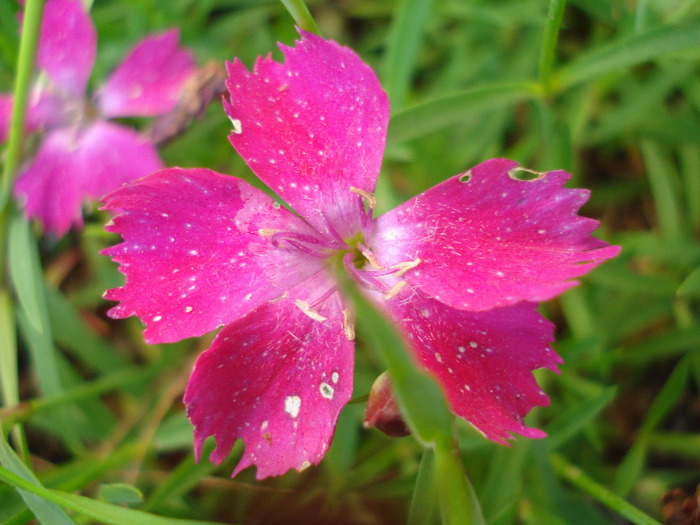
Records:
x=349, y=325
x=394, y=290
x=405, y=266
x=306, y=308
x=368, y=197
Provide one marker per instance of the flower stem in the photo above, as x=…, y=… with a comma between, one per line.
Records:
x=301, y=15
x=31, y=27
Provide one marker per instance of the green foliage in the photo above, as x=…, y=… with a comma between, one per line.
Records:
x=607, y=89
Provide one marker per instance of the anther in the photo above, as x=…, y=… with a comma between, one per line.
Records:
x=368, y=197
x=394, y=290
x=267, y=232
x=306, y=308
x=405, y=266
x=349, y=324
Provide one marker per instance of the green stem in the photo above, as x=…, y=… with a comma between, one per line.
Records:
x=301, y=15
x=31, y=27
x=549, y=41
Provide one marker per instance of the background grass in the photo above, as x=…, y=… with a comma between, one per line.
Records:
x=608, y=90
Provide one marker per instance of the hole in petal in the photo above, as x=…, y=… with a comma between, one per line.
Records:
x=465, y=177
x=525, y=174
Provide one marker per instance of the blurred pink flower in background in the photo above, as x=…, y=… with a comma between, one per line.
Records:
x=82, y=154
x=459, y=268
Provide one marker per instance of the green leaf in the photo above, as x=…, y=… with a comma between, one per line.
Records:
x=120, y=494
x=402, y=48
x=421, y=401
x=576, y=418
x=96, y=510
x=422, y=506
x=665, y=188
x=691, y=285
x=45, y=511
x=587, y=484
x=430, y=116
x=628, y=52
x=458, y=502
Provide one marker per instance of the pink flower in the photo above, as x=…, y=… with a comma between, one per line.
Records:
x=83, y=154
x=459, y=268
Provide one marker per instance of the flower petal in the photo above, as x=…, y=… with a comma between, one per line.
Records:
x=5, y=116
x=486, y=239
x=311, y=129
x=68, y=45
x=150, y=79
x=482, y=360
x=198, y=251
x=277, y=379
x=74, y=164
x=50, y=186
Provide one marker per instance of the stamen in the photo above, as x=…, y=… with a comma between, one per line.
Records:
x=349, y=324
x=368, y=255
x=368, y=197
x=306, y=308
x=405, y=266
x=394, y=290
x=267, y=232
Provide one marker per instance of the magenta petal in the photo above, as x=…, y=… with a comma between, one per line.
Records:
x=68, y=44
x=74, y=164
x=50, y=187
x=5, y=116
x=113, y=155
x=482, y=360
x=486, y=239
x=277, y=379
x=150, y=79
x=311, y=129
x=198, y=251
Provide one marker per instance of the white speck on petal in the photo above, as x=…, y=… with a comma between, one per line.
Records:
x=292, y=404
x=334, y=377
x=157, y=318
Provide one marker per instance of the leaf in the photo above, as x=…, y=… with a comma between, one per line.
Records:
x=691, y=285
x=402, y=48
x=430, y=116
x=96, y=510
x=628, y=52
x=45, y=511
x=576, y=418
x=120, y=494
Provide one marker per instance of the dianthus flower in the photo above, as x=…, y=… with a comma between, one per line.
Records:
x=83, y=154
x=459, y=268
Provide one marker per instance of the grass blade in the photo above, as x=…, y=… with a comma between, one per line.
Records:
x=446, y=111
x=628, y=52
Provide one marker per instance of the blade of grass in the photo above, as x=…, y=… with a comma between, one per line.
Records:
x=665, y=190
x=97, y=510
x=422, y=506
x=549, y=41
x=591, y=487
x=633, y=463
x=433, y=115
x=402, y=47
x=458, y=502
x=301, y=15
x=628, y=52
x=45, y=511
